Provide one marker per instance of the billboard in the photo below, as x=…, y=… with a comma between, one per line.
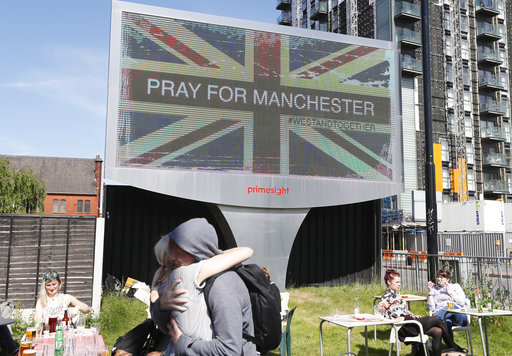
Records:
x=249, y=114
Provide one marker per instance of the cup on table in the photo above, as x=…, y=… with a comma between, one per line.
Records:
x=69, y=343
x=52, y=323
x=80, y=323
x=450, y=305
x=25, y=345
x=30, y=333
x=377, y=312
x=29, y=352
x=102, y=351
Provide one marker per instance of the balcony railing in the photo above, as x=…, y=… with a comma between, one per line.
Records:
x=495, y=159
x=283, y=4
x=487, y=31
x=407, y=10
x=489, y=56
x=486, y=7
x=492, y=107
x=406, y=36
x=491, y=81
x=496, y=186
x=494, y=133
x=412, y=65
x=285, y=18
x=318, y=11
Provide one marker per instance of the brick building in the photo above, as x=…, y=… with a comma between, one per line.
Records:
x=73, y=185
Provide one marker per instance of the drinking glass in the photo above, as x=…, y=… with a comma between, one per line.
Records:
x=102, y=351
x=52, y=323
x=30, y=333
x=80, y=324
x=376, y=311
x=69, y=343
x=25, y=345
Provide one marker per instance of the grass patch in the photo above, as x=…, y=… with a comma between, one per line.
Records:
x=118, y=315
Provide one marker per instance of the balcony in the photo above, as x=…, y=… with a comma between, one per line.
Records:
x=283, y=4
x=494, y=133
x=496, y=186
x=489, y=56
x=492, y=107
x=495, y=160
x=412, y=65
x=486, y=8
x=285, y=18
x=491, y=82
x=335, y=25
x=407, y=37
x=488, y=32
x=318, y=11
x=407, y=11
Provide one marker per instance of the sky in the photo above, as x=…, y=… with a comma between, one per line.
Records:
x=54, y=70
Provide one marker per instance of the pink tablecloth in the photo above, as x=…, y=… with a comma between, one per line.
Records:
x=83, y=342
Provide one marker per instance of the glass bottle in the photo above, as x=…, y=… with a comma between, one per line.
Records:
x=489, y=303
x=65, y=320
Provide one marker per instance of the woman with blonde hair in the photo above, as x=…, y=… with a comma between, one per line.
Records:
x=53, y=303
x=161, y=274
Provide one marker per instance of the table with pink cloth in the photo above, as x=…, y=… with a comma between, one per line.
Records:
x=84, y=339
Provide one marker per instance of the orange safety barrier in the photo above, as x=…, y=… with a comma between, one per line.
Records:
x=454, y=253
x=387, y=254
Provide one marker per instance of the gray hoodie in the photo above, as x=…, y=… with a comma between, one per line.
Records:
x=228, y=300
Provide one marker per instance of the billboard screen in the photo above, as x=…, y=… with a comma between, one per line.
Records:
x=241, y=113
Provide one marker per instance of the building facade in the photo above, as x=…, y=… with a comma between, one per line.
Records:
x=73, y=185
x=470, y=75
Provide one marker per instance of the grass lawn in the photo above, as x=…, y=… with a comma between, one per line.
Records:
x=120, y=314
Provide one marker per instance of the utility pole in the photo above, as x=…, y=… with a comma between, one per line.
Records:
x=430, y=180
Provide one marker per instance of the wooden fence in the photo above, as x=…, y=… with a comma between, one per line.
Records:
x=32, y=244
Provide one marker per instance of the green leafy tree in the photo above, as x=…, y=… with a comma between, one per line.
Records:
x=20, y=191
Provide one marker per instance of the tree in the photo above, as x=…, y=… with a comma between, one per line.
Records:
x=20, y=191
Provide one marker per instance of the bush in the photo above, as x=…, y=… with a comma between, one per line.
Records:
x=118, y=315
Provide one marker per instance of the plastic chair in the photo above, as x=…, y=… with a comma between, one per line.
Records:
x=466, y=329
x=393, y=337
x=286, y=338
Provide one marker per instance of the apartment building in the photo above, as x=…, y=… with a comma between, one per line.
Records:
x=470, y=54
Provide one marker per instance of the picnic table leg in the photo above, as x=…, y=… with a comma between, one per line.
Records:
x=486, y=339
x=482, y=336
x=321, y=342
x=366, y=338
x=348, y=338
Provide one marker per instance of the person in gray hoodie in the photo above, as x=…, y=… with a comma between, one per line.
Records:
x=228, y=301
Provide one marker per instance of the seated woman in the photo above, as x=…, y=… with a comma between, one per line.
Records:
x=443, y=292
x=53, y=303
x=395, y=308
x=7, y=344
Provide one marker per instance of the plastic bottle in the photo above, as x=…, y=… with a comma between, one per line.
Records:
x=59, y=338
x=467, y=303
x=356, y=308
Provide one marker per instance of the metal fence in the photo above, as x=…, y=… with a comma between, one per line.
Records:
x=493, y=275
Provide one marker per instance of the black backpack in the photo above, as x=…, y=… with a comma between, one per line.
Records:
x=265, y=304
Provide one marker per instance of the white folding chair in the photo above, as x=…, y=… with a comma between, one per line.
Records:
x=393, y=337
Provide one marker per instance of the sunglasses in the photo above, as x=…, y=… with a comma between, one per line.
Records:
x=49, y=275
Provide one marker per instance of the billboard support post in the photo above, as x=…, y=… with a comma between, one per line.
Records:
x=430, y=184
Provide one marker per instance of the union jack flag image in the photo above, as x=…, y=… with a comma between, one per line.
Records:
x=206, y=97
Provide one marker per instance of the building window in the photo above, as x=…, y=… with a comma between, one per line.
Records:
x=80, y=206
x=470, y=153
x=471, y=180
x=87, y=208
x=451, y=122
x=445, y=151
x=449, y=73
x=55, y=206
x=62, y=206
x=446, y=178
x=464, y=43
x=468, y=126
x=467, y=100
x=449, y=97
x=448, y=45
x=506, y=128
